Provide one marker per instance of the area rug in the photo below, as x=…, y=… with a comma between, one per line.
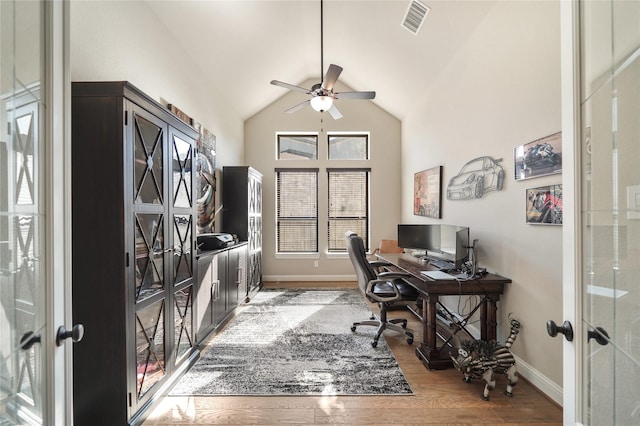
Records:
x=297, y=342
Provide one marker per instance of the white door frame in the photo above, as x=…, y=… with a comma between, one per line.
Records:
x=570, y=83
x=571, y=231
x=57, y=168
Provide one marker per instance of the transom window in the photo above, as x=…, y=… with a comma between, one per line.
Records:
x=297, y=147
x=348, y=146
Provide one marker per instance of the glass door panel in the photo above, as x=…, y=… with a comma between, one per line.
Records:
x=150, y=249
x=23, y=338
x=183, y=318
x=181, y=165
x=610, y=38
x=182, y=256
x=150, y=367
x=148, y=154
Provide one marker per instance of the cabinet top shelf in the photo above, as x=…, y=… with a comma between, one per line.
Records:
x=125, y=89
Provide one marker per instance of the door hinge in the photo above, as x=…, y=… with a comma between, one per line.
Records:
x=129, y=399
x=127, y=259
x=126, y=118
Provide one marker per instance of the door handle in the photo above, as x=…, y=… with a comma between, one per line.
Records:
x=29, y=339
x=76, y=333
x=553, y=329
x=600, y=334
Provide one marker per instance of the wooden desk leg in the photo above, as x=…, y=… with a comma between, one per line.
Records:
x=429, y=329
x=489, y=318
x=428, y=351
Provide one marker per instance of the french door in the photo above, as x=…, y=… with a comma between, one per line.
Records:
x=601, y=95
x=33, y=218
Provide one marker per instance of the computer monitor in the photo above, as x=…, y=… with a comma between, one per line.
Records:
x=419, y=237
x=446, y=242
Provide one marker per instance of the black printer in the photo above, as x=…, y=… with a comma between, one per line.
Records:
x=216, y=241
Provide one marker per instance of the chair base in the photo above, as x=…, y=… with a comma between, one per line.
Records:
x=386, y=325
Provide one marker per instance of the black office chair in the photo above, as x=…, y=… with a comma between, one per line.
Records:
x=384, y=288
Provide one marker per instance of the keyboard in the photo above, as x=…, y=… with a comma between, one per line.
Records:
x=437, y=275
x=440, y=264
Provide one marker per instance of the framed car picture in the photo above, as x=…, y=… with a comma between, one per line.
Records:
x=544, y=205
x=539, y=158
x=427, y=194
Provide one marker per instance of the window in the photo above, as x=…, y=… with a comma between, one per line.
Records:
x=297, y=147
x=349, y=147
x=297, y=210
x=348, y=206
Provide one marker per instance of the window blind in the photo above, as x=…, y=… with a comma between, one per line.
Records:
x=297, y=210
x=348, y=206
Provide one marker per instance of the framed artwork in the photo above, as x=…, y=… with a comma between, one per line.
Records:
x=427, y=194
x=206, y=179
x=180, y=114
x=539, y=158
x=544, y=205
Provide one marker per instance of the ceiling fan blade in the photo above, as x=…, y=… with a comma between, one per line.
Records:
x=331, y=77
x=335, y=113
x=356, y=95
x=298, y=107
x=290, y=86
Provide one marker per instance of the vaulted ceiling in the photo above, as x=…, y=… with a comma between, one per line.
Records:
x=244, y=44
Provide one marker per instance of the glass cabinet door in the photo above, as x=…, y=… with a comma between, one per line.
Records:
x=152, y=250
x=182, y=211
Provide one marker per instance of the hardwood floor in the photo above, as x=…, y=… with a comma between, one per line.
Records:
x=440, y=397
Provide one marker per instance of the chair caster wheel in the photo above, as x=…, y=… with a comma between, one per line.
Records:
x=353, y=328
x=374, y=344
x=404, y=324
x=410, y=338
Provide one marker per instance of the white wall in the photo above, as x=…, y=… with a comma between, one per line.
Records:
x=116, y=40
x=500, y=90
x=359, y=115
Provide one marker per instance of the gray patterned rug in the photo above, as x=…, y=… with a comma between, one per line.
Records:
x=296, y=342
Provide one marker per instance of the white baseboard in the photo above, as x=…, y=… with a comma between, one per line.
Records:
x=537, y=379
x=533, y=376
x=304, y=278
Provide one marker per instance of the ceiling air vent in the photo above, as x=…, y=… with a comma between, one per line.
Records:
x=416, y=13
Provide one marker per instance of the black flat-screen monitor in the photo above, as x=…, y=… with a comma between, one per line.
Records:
x=447, y=242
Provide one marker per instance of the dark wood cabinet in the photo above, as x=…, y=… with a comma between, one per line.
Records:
x=133, y=251
x=222, y=278
x=242, y=215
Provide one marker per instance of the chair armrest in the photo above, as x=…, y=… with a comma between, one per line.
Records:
x=378, y=263
x=392, y=275
x=369, y=291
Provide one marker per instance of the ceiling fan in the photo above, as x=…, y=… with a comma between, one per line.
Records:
x=322, y=94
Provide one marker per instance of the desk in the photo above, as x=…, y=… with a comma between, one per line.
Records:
x=490, y=287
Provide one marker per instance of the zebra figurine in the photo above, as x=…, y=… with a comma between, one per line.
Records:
x=481, y=359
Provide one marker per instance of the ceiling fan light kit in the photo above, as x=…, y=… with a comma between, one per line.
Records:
x=322, y=94
x=321, y=103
